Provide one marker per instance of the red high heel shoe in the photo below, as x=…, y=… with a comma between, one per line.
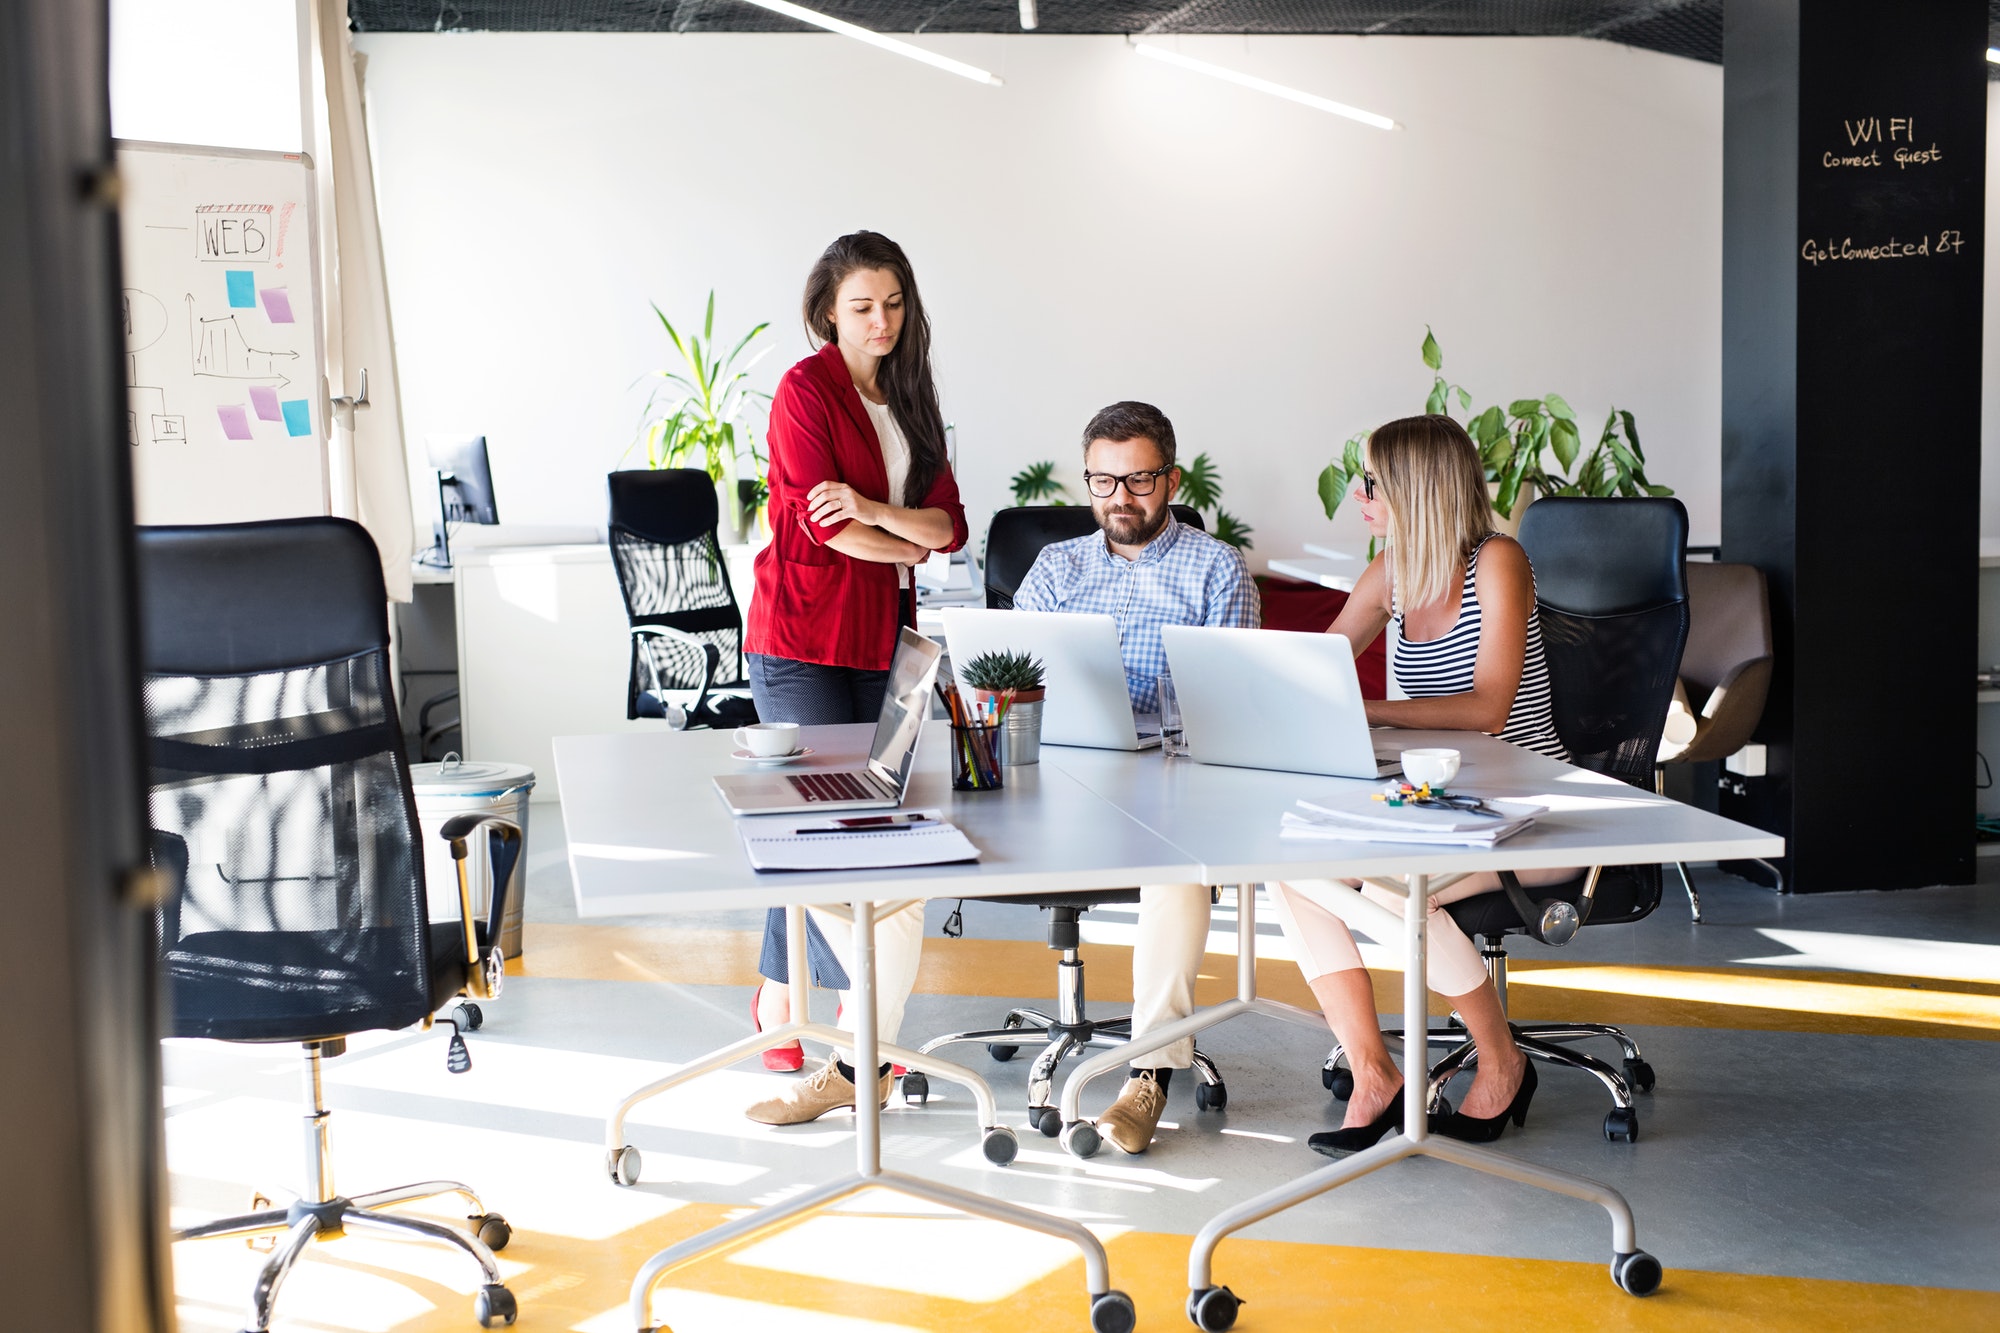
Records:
x=786, y=1059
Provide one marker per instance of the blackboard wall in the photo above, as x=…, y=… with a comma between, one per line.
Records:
x=1853, y=217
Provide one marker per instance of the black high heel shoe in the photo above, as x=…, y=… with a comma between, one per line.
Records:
x=1345, y=1142
x=1475, y=1129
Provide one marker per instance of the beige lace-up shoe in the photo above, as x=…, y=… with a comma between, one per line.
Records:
x=810, y=1098
x=1130, y=1121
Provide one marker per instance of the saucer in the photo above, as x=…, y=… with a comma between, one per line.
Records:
x=769, y=760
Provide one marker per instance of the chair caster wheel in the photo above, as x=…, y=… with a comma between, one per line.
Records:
x=475, y=1018
x=1441, y=1107
x=1047, y=1119
x=1338, y=1080
x=1000, y=1145
x=1079, y=1139
x=1637, y=1273
x=1622, y=1125
x=916, y=1089
x=1002, y=1053
x=1113, y=1312
x=1213, y=1309
x=1210, y=1096
x=623, y=1164
x=494, y=1307
x=492, y=1230
x=1638, y=1076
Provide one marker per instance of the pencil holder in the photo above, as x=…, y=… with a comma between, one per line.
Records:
x=975, y=756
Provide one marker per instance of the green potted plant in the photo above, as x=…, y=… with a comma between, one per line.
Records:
x=1036, y=484
x=1513, y=444
x=1013, y=684
x=1201, y=489
x=697, y=416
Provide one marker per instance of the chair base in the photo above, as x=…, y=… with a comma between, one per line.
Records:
x=304, y=1221
x=328, y=1215
x=1059, y=1041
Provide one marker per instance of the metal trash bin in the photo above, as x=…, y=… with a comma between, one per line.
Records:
x=460, y=787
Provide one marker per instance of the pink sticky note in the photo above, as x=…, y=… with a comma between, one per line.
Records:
x=264, y=401
x=277, y=304
x=235, y=424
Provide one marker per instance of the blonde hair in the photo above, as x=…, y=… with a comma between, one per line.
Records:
x=1435, y=490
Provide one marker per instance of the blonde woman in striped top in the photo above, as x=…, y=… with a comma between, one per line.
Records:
x=1459, y=601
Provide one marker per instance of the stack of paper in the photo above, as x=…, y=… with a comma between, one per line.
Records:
x=926, y=844
x=1358, y=817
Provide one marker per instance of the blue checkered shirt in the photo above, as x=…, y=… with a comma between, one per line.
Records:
x=1183, y=577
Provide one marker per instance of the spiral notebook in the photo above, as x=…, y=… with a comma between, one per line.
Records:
x=810, y=849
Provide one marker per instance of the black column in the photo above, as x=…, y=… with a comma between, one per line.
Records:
x=1854, y=168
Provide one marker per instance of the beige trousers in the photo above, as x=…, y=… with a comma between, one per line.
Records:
x=899, y=946
x=1173, y=934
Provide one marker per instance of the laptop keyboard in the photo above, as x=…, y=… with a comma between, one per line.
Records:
x=832, y=787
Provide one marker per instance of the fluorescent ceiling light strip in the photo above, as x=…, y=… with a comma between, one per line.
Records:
x=1242, y=80
x=876, y=39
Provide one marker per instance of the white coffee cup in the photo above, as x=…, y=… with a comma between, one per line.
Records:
x=1435, y=768
x=768, y=740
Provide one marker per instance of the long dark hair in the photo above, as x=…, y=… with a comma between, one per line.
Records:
x=905, y=374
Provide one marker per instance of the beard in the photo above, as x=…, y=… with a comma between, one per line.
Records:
x=1129, y=525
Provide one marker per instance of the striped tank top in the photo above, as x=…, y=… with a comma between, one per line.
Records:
x=1444, y=666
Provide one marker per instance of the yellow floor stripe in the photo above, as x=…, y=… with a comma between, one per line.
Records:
x=567, y=1284
x=1757, y=999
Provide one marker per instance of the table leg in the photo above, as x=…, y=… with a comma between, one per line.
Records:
x=1211, y=1307
x=1246, y=1002
x=1110, y=1311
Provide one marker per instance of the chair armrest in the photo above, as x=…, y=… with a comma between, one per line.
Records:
x=711, y=662
x=504, y=846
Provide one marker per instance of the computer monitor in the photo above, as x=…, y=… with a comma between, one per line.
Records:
x=465, y=488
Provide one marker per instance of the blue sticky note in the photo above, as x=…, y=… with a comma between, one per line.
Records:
x=298, y=416
x=242, y=288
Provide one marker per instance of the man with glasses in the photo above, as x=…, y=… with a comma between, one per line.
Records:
x=1145, y=569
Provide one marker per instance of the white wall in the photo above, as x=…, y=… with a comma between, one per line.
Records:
x=219, y=73
x=1102, y=227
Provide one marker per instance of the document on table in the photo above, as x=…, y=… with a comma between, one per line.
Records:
x=1358, y=817
x=818, y=847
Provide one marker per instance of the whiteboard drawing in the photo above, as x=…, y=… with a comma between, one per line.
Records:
x=233, y=233
x=218, y=348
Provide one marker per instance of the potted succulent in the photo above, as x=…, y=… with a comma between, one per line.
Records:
x=1012, y=683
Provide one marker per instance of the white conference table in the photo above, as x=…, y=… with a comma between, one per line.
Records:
x=648, y=835
x=1227, y=819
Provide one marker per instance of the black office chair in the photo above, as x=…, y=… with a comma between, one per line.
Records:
x=687, y=631
x=286, y=831
x=1014, y=539
x=1611, y=592
x=1016, y=536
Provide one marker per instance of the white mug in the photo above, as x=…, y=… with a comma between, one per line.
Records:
x=768, y=740
x=1435, y=767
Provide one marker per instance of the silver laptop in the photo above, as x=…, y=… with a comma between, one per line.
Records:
x=1088, y=702
x=877, y=784
x=1261, y=698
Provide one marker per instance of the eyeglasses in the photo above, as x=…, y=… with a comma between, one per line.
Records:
x=1367, y=484
x=1104, y=485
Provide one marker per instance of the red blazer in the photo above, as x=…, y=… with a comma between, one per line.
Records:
x=814, y=604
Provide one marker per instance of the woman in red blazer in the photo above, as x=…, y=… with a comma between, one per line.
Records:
x=861, y=491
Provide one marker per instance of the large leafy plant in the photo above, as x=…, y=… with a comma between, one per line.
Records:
x=1036, y=484
x=697, y=414
x=1514, y=445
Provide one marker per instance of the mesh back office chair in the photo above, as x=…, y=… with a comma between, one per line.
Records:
x=1611, y=592
x=687, y=631
x=284, y=823
x=1016, y=536
x=1014, y=539
x=1725, y=676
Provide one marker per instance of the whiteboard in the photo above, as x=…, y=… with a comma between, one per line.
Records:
x=226, y=405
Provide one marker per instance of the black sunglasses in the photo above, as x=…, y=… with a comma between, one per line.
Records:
x=1367, y=483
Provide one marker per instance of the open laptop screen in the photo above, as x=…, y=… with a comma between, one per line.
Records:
x=904, y=706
